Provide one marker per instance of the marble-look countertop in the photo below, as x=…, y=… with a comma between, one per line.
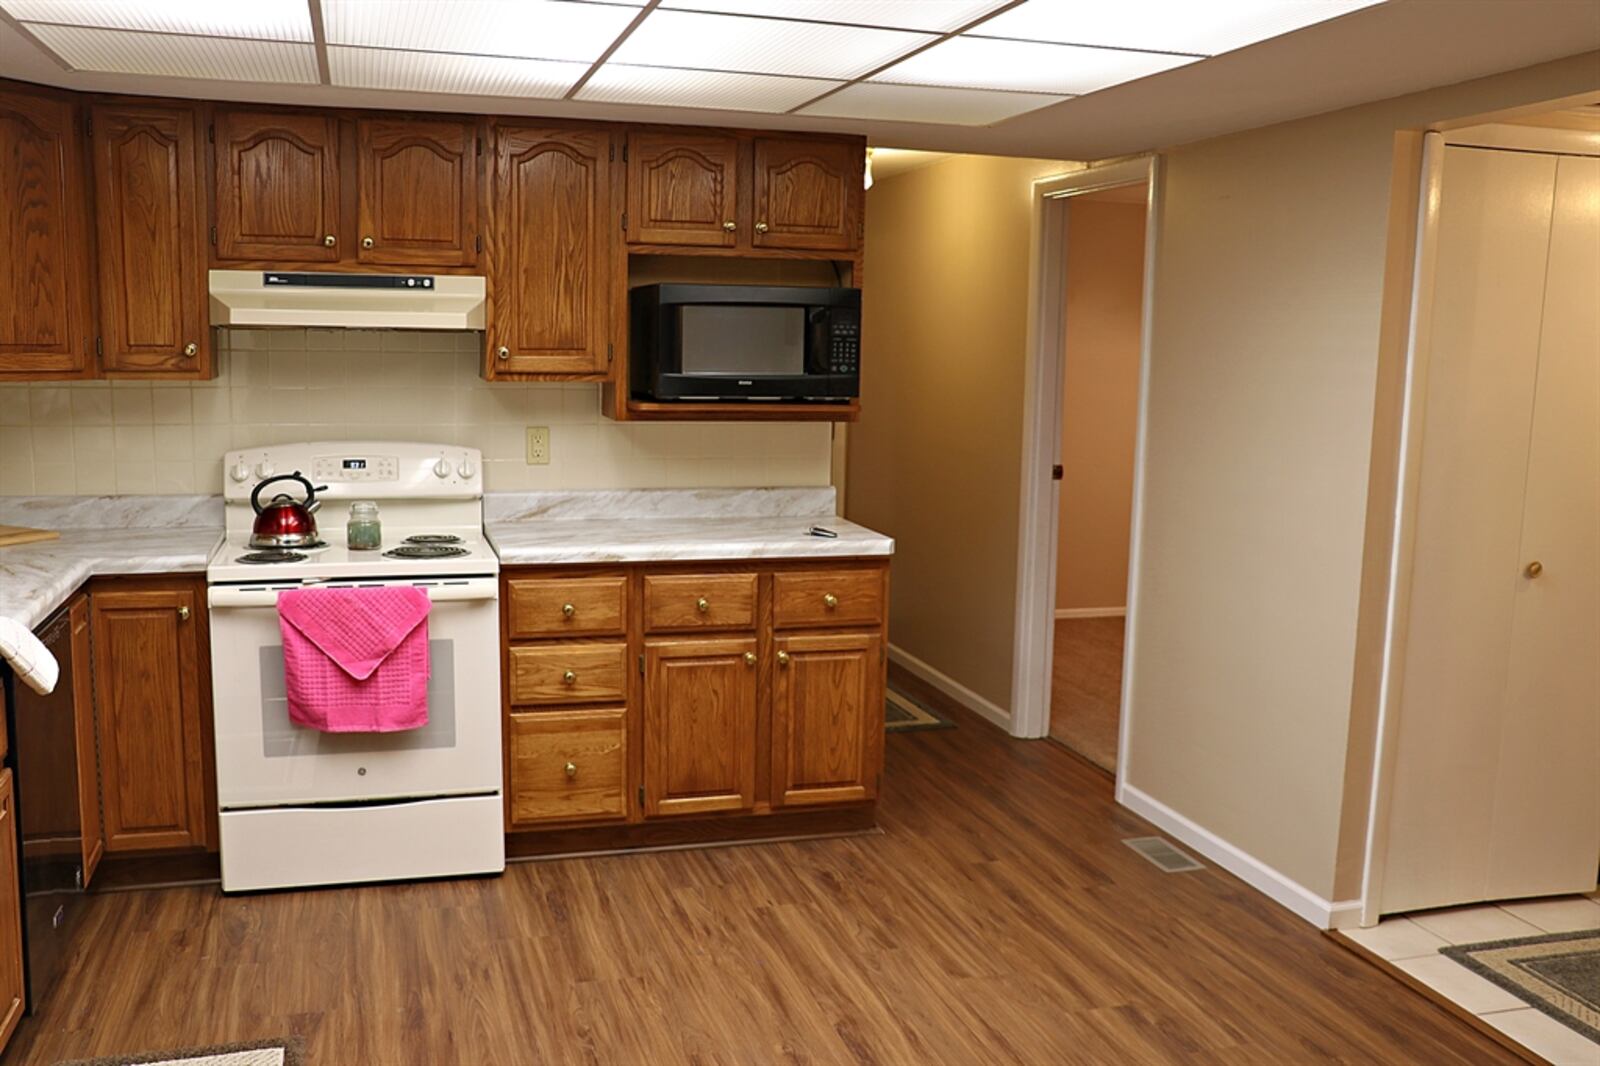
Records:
x=672, y=525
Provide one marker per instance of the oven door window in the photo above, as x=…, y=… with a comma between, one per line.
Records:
x=281, y=738
x=717, y=340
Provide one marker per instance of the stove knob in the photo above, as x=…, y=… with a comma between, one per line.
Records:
x=466, y=469
x=265, y=468
x=442, y=467
x=239, y=471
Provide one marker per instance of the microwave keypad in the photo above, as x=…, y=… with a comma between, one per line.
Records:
x=846, y=355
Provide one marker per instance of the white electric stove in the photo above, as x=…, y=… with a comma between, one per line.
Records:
x=300, y=807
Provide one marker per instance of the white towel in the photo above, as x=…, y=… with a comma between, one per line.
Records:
x=30, y=659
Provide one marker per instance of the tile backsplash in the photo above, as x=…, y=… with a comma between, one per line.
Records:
x=275, y=386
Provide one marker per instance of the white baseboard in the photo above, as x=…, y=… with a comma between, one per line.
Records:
x=1282, y=890
x=1091, y=612
x=952, y=688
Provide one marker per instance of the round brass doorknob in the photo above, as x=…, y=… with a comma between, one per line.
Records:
x=783, y=658
x=761, y=227
x=730, y=225
x=183, y=614
x=749, y=658
x=503, y=352
x=568, y=610
x=702, y=605
x=329, y=241
x=830, y=601
x=191, y=349
x=366, y=242
x=1534, y=569
x=570, y=678
x=572, y=769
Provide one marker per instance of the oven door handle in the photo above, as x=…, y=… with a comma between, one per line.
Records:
x=478, y=588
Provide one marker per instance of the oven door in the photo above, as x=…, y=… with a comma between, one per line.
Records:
x=265, y=760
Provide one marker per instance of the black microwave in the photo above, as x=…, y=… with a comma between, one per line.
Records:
x=745, y=342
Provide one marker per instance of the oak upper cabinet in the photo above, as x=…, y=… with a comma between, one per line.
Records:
x=150, y=223
x=418, y=192
x=277, y=186
x=699, y=725
x=683, y=189
x=11, y=987
x=151, y=704
x=807, y=194
x=827, y=718
x=45, y=328
x=550, y=274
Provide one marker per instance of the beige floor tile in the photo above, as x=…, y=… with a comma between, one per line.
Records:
x=1468, y=925
x=1570, y=914
x=1547, y=1037
x=1458, y=984
x=1397, y=938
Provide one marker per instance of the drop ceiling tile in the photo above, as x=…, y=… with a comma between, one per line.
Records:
x=443, y=72
x=618, y=83
x=273, y=20
x=1201, y=27
x=533, y=29
x=762, y=46
x=1026, y=66
x=212, y=58
x=917, y=103
x=938, y=16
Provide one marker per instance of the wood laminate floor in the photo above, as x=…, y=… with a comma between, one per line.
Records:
x=996, y=919
x=1086, y=688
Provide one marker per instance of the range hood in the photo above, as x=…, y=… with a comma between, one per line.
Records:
x=354, y=301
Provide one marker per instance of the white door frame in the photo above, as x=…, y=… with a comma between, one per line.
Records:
x=1040, y=507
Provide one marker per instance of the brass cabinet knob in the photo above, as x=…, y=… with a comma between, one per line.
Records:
x=329, y=241
x=183, y=614
x=702, y=605
x=749, y=658
x=1534, y=569
x=366, y=242
x=783, y=658
x=503, y=352
x=829, y=600
x=761, y=227
x=191, y=349
x=730, y=225
x=568, y=610
x=570, y=678
x=572, y=769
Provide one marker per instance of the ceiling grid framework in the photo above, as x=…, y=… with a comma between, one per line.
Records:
x=941, y=62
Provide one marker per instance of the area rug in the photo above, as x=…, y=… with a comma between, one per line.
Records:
x=902, y=714
x=1558, y=974
x=283, y=1052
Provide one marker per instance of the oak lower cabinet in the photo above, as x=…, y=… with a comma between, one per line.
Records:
x=699, y=725
x=11, y=980
x=827, y=718
x=152, y=703
x=567, y=766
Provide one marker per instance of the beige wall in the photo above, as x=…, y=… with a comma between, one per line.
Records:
x=276, y=386
x=1100, y=403
x=1268, y=301
x=936, y=459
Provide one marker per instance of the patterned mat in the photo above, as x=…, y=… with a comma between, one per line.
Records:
x=249, y=1053
x=1558, y=974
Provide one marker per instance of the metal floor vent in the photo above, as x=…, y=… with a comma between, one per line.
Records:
x=1163, y=854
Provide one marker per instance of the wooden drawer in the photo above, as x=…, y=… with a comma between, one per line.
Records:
x=567, y=606
x=699, y=601
x=569, y=673
x=806, y=598
x=567, y=766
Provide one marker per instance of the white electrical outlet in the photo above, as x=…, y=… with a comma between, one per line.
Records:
x=538, y=445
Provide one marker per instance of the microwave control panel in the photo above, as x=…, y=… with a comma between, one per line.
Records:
x=845, y=358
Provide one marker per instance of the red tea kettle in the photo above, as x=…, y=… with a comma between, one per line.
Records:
x=284, y=522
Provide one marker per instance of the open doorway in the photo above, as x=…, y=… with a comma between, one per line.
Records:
x=1103, y=294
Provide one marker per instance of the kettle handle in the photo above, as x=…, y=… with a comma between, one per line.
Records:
x=311, y=491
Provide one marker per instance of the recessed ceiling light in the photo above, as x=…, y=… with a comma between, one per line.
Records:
x=534, y=29
x=162, y=55
x=1027, y=66
x=442, y=72
x=762, y=46
x=273, y=20
x=938, y=16
x=1202, y=27
x=916, y=103
x=618, y=83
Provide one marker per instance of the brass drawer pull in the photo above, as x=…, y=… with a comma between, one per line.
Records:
x=568, y=609
x=191, y=349
x=749, y=658
x=572, y=769
x=783, y=658
x=183, y=614
x=730, y=225
x=569, y=678
x=329, y=241
x=702, y=605
x=829, y=600
x=366, y=242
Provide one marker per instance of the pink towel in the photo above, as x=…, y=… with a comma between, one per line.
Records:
x=356, y=660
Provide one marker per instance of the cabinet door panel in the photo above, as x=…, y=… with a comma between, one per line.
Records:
x=44, y=272
x=683, y=189
x=10, y=916
x=551, y=278
x=807, y=194
x=566, y=766
x=699, y=726
x=418, y=192
x=827, y=718
x=277, y=186
x=149, y=700
x=149, y=216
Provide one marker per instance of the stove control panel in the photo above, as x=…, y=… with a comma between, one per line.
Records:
x=327, y=469
x=378, y=470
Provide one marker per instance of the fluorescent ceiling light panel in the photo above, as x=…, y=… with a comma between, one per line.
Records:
x=441, y=72
x=938, y=16
x=531, y=29
x=762, y=46
x=211, y=58
x=1027, y=66
x=915, y=103
x=1199, y=27
x=617, y=83
x=272, y=20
